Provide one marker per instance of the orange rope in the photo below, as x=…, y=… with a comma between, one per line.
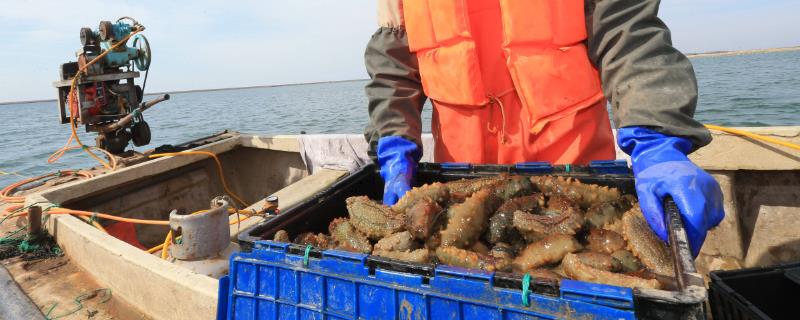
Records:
x=12, y=209
x=57, y=210
x=107, y=216
x=60, y=153
x=5, y=192
x=495, y=100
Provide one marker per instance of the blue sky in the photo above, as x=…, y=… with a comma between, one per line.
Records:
x=211, y=44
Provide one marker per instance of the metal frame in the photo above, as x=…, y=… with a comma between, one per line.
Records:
x=63, y=86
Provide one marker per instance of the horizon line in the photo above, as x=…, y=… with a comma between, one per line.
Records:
x=205, y=90
x=688, y=55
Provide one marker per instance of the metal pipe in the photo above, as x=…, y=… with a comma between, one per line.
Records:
x=146, y=105
x=124, y=121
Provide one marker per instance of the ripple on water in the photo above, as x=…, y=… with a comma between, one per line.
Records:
x=746, y=90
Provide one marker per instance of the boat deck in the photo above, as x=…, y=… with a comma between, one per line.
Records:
x=761, y=184
x=56, y=282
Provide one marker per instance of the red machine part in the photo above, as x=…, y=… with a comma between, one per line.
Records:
x=94, y=99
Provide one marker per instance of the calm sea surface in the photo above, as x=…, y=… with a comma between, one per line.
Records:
x=744, y=90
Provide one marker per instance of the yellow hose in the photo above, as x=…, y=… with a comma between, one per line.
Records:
x=754, y=136
x=219, y=169
x=156, y=248
x=94, y=223
x=167, y=241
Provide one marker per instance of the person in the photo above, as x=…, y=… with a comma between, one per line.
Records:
x=515, y=81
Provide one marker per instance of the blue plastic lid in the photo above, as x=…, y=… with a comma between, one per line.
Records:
x=455, y=166
x=534, y=167
x=610, y=167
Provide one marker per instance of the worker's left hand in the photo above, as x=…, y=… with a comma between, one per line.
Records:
x=661, y=168
x=398, y=159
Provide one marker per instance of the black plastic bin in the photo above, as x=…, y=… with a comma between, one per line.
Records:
x=314, y=215
x=756, y=293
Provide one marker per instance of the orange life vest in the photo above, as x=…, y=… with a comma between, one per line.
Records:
x=528, y=57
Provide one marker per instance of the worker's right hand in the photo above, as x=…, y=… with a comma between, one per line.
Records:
x=661, y=169
x=398, y=159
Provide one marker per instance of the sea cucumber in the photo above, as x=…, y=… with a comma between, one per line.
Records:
x=645, y=245
x=373, y=219
x=549, y=250
x=561, y=216
x=501, y=224
x=503, y=256
x=576, y=269
x=605, y=241
x=281, y=236
x=584, y=194
x=512, y=187
x=400, y=241
x=600, y=261
x=627, y=260
x=604, y=213
x=437, y=192
x=460, y=190
x=421, y=217
x=418, y=256
x=465, y=258
x=467, y=220
x=320, y=241
x=347, y=237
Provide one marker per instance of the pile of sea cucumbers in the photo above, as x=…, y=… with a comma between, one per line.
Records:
x=550, y=227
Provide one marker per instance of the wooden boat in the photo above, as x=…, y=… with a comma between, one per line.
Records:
x=760, y=182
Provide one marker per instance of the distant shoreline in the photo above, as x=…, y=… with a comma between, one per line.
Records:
x=205, y=90
x=256, y=87
x=740, y=52
x=689, y=55
x=27, y=101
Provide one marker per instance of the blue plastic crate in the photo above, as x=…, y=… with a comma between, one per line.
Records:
x=271, y=283
x=496, y=295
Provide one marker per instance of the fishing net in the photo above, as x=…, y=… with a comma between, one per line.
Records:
x=18, y=243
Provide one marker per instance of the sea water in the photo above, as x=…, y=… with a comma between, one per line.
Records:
x=741, y=90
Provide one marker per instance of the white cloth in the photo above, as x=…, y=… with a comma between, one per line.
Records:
x=390, y=13
x=344, y=151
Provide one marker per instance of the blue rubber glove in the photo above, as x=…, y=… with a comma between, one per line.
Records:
x=398, y=160
x=661, y=168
